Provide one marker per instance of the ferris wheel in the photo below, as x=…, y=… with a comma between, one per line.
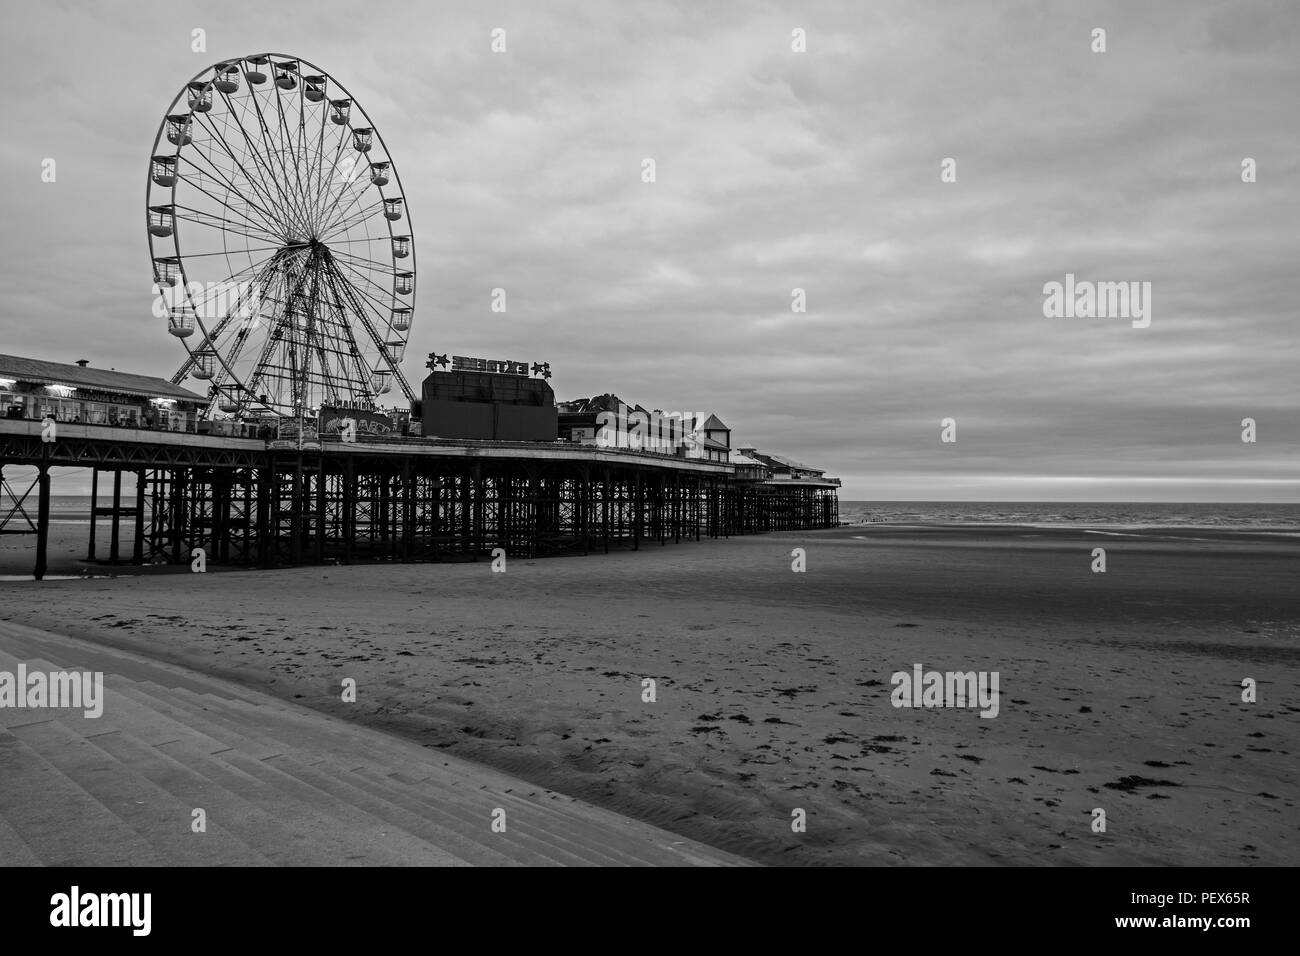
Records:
x=281, y=241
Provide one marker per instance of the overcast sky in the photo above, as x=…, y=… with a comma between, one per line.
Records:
x=775, y=170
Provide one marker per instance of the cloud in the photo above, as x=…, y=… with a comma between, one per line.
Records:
x=776, y=170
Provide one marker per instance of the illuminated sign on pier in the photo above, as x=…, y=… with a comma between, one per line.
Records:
x=464, y=363
x=460, y=363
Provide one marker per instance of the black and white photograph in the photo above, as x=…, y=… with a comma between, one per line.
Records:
x=655, y=434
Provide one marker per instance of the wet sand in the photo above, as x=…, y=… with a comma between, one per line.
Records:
x=1119, y=691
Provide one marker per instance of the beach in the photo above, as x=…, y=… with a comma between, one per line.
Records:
x=1119, y=691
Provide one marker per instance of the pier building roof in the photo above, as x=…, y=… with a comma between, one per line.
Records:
x=40, y=372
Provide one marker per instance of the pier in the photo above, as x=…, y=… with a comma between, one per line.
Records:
x=249, y=504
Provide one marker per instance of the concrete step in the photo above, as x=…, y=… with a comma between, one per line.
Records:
x=622, y=840
x=156, y=815
x=441, y=782
x=457, y=809
x=374, y=840
x=284, y=838
x=10, y=716
x=427, y=773
x=149, y=720
x=228, y=718
x=14, y=851
x=181, y=710
x=79, y=655
x=62, y=823
x=207, y=743
x=449, y=825
x=607, y=838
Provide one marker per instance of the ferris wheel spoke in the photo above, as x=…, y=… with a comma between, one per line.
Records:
x=308, y=115
x=267, y=201
x=383, y=307
x=185, y=177
x=332, y=370
x=210, y=339
x=335, y=243
x=384, y=264
x=220, y=289
x=366, y=269
x=339, y=283
x=356, y=176
x=360, y=216
x=360, y=301
x=267, y=205
x=273, y=143
x=288, y=139
x=394, y=366
x=215, y=293
x=334, y=212
x=320, y=188
x=225, y=252
x=201, y=218
x=300, y=197
x=262, y=162
x=365, y=300
x=261, y=368
x=363, y=374
x=325, y=185
x=276, y=144
x=258, y=271
x=268, y=288
x=310, y=162
x=380, y=307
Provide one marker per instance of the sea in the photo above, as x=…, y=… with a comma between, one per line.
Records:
x=1281, y=518
x=1276, y=518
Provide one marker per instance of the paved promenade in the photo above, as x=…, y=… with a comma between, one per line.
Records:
x=279, y=784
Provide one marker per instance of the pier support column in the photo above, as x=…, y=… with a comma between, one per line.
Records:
x=584, y=512
x=464, y=499
x=117, y=517
x=219, y=540
x=321, y=484
x=94, y=503
x=42, y=520
x=535, y=514
x=379, y=508
x=604, y=505
x=408, y=510
x=177, y=479
x=349, y=507
x=265, y=487
x=638, y=504
x=477, y=517
x=137, y=549
x=295, y=513
x=677, y=508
